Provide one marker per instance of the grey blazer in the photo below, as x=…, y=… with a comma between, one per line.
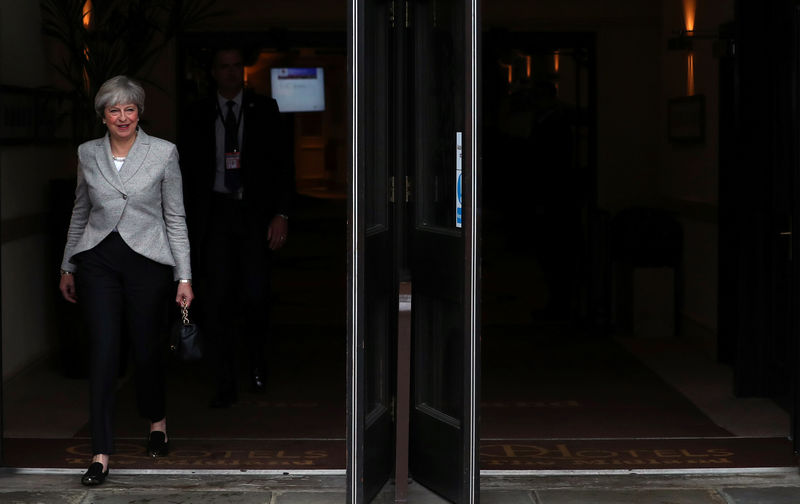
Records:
x=143, y=201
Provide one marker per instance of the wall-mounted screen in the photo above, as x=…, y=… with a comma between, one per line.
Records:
x=298, y=89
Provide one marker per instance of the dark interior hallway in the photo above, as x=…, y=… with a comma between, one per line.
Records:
x=562, y=388
x=560, y=394
x=298, y=423
x=550, y=388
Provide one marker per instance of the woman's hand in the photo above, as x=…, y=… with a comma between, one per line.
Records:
x=185, y=293
x=67, y=287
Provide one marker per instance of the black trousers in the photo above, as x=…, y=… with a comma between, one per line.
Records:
x=237, y=264
x=123, y=293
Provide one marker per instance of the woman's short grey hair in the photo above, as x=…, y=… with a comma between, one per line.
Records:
x=119, y=90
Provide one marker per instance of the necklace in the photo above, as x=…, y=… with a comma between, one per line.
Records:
x=118, y=158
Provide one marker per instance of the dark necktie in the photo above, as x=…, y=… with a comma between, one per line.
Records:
x=232, y=177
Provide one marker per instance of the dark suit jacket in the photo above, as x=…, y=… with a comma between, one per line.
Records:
x=267, y=170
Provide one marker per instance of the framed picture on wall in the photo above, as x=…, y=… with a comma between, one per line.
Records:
x=686, y=118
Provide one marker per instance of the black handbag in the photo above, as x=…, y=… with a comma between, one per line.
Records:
x=186, y=342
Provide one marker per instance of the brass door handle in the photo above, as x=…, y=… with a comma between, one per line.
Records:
x=785, y=233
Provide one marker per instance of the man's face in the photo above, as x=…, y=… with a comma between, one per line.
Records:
x=228, y=71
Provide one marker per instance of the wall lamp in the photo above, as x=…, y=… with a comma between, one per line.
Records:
x=684, y=40
x=723, y=44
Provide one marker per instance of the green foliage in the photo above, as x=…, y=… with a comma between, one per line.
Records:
x=123, y=37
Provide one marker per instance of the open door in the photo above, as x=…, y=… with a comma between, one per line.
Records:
x=443, y=240
x=794, y=242
x=759, y=301
x=372, y=284
x=439, y=89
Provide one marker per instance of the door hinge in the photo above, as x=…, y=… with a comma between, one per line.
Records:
x=391, y=14
x=391, y=189
x=408, y=189
x=406, y=15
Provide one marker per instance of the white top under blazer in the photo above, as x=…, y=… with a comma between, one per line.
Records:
x=143, y=201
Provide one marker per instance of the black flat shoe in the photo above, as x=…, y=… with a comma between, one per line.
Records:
x=94, y=475
x=157, y=445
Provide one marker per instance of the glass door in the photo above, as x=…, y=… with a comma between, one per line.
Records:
x=413, y=102
x=443, y=241
x=794, y=242
x=372, y=284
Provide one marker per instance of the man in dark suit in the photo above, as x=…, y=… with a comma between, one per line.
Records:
x=239, y=183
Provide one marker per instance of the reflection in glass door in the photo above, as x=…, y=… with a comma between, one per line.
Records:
x=435, y=108
x=443, y=237
x=372, y=285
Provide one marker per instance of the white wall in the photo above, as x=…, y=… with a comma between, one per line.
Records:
x=28, y=277
x=22, y=60
x=629, y=84
x=688, y=176
x=628, y=129
x=637, y=165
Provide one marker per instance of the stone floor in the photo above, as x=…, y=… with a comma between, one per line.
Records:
x=776, y=486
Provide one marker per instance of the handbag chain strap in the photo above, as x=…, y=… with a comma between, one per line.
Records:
x=184, y=313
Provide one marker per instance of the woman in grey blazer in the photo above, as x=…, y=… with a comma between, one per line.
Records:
x=126, y=235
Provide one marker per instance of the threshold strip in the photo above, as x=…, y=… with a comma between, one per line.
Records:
x=610, y=472
x=220, y=439
x=621, y=440
x=484, y=472
x=221, y=472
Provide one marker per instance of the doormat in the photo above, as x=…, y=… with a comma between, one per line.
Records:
x=543, y=387
x=499, y=455
x=185, y=454
x=615, y=454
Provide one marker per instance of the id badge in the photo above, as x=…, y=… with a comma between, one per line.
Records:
x=233, y=160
